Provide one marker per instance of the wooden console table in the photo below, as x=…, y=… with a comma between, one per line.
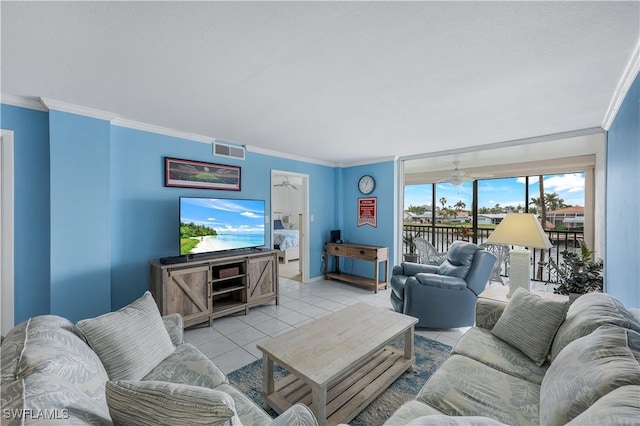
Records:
x=373, y=254
x=223, y=284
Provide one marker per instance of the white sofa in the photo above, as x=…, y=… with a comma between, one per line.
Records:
x=589, y=376
x=57, y=372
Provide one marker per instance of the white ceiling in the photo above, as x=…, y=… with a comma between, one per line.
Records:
x=341, y=82
x=544, y=156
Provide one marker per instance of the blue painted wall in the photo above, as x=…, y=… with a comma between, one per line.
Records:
x=91, y=208
x=622, y=268
x=381, y=235
x=144, y=213
x=80, y=219
x=31, y=209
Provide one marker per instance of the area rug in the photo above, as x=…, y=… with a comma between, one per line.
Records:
x=429, y=356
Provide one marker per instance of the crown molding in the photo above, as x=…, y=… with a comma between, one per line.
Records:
x=628, y=76
x=23, y=102
x=52, y=104
x=137, y=125
x=272, y=153
x=507, y=144
x=288, y=156
x=47, y=104
x=368, y=162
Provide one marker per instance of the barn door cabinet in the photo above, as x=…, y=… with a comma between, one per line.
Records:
x=202, y=290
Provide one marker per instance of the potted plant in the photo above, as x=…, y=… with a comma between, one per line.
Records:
x=412, y=256
x=580, y=273
x=463, y=232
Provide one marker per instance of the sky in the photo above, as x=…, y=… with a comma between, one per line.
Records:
x=506, y=192
x=224, y=215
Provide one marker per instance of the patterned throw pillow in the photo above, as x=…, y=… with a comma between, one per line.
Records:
x=437, y=420
x=529, y=323
x=144, y=403
x=589, y=312
x=588, y=369
x=130, y=342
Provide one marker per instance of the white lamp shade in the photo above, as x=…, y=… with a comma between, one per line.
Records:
x=520, y=229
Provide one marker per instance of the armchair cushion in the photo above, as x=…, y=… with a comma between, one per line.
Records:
x=441, y=281
x=459, y=259
x=410, y=269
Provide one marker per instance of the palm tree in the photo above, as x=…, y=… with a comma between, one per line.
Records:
x=443, y=201
x=543, y=218
x=552, y=201
x=460, y=205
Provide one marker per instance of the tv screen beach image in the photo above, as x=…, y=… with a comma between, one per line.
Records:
x=216, y=224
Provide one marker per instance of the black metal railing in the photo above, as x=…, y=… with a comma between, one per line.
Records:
x=441, y=237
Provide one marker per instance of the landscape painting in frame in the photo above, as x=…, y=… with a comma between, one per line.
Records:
x=196, y=174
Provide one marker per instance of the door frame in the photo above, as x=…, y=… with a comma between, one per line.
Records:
x=6, y=230
x=304, y=231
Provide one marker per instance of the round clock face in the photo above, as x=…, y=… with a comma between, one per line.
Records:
x=366, y=184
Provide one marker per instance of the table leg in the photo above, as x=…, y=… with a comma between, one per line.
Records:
x=267, y=378
x=319, y=403
x=326, y=259
x=408, y=346
x=386, y=274
x=377, y=274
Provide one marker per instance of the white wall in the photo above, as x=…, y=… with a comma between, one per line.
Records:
x=289, y=202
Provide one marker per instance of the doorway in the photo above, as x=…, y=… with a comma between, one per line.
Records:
x=6, y=231
x=289, y=223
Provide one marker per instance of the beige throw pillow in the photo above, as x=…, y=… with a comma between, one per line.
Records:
x=129, y=342
x=529, y=323
x=147, y=403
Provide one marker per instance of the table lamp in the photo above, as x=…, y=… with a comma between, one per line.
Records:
x=524, y=230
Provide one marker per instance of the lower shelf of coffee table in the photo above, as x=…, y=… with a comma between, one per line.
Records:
x=351, y=394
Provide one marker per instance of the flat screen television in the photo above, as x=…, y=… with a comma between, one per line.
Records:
x=209, y=225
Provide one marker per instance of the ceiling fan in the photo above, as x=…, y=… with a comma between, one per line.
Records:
x=286, y=183
x=457, y=176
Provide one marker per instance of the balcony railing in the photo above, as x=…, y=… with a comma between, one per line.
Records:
x=441, y=237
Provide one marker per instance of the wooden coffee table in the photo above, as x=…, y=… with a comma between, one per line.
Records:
x=338, y=363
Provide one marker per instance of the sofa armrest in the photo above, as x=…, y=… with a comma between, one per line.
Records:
x=441, y=281
x=488, y=312
x=175, y=327
x=296, y=415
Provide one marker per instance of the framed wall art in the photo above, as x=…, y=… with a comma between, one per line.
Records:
x=367, y=211
x=196, y=174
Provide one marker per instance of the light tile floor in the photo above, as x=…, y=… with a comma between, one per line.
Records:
x=231, y=342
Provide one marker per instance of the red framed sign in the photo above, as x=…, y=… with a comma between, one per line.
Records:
x=367, y=211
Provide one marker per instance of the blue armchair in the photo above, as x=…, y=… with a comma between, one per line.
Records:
x=443, y=296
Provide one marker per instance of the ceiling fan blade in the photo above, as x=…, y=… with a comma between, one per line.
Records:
x=481, y=175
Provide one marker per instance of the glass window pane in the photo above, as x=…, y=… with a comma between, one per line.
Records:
x=496, y=198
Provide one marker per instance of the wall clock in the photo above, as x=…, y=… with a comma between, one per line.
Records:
x=366, y=184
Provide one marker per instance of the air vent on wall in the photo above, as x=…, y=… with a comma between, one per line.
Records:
x=228, y=150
